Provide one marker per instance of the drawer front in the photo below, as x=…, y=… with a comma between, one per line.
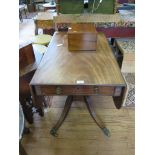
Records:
x=75, y=90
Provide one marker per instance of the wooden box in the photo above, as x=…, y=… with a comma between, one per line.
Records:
x=82, y=37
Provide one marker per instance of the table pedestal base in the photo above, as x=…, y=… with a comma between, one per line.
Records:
x=90, y=108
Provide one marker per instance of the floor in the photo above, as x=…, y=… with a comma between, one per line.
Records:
x=79, y=135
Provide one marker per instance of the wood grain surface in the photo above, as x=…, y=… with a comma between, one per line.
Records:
x=82, y=37
x=59, y=66
x=28, y=60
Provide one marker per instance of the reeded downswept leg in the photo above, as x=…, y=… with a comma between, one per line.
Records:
x=64, y=114
x=97, y=120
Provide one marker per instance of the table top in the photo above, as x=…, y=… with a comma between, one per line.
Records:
x=62, y=67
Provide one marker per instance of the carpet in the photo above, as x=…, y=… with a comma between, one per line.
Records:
x=130, y=94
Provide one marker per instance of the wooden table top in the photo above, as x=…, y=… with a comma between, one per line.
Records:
x=62, y=67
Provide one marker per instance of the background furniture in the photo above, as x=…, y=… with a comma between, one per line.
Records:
x=48, y=6
x=28, y=63
x=62, y=72
x=104, y=6
x=125, y=47
x=22, y=8
x=113, y=26
x=44, y=21
x=93, y=6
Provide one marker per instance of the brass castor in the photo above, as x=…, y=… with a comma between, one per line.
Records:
x=53, y=132
x=106, y=132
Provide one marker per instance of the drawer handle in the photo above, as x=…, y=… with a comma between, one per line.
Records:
x=96, y=90
x=58, y=90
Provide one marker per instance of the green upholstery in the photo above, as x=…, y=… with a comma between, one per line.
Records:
x=71, y=6
x=106, y=6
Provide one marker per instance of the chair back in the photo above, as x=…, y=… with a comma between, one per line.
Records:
x=26, y=56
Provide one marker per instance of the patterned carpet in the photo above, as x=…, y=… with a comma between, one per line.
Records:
x=130, y=95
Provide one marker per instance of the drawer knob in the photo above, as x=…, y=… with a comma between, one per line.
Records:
x=96, y=89
x=58, y=90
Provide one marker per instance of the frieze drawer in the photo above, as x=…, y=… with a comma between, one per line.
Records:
x=75, y=90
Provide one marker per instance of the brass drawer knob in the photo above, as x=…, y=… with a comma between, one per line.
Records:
x=96, y=90
x=58, y=90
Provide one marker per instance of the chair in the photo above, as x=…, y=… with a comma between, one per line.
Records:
x=28, y=63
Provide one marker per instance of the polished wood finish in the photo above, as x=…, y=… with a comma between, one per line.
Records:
x=28, y=59
x=118, y=100
x=63, y=115
x=67, y=107
x=44, y=20
x=89, y=104
x=26, y=56
x=62, y=72
x=61, y=67
x=75, y=90
x=82, y=37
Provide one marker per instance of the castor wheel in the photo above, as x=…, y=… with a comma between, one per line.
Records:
x=106, y=131
x=53, y=132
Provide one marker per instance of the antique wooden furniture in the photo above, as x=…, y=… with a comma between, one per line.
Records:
x=125, y=52
x=62, y=72
x=44, y=20
x=82, y=37
x=28, y=63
